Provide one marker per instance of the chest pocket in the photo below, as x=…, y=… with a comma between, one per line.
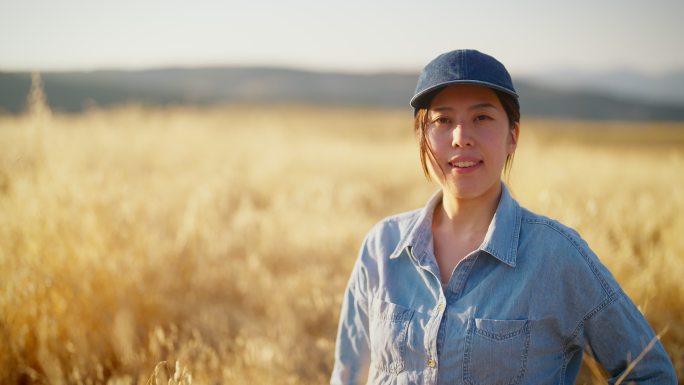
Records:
x=496, y=351
x=388, y=324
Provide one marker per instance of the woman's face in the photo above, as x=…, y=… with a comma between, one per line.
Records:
x=470, y=137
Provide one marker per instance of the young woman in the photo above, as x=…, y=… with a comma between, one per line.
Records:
x=473, y=288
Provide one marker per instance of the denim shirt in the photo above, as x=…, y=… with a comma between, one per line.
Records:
x=518, y=310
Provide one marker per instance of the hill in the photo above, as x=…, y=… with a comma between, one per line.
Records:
x=666, y=87
x=74, y=91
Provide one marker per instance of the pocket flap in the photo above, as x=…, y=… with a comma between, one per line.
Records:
x=390, y=311
x=500, y=329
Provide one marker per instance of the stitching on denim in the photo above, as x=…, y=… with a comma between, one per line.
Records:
x=397, y=313
x=526, y=353
x=515, y=240
x=564, y=367
x=403, y=315
x=511, y=254
x=395, y=220
x=397, y=366
x=466, y=352
x=441, y=333
x=613, y=295
x=566, y=361
x=471, y=330
x=499, y=336
x=464, y=272
x=604, y=284
x=608, y=301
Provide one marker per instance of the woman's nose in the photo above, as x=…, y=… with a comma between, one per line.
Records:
x=461, y=137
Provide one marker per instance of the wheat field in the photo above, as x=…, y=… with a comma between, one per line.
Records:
x=212, y=245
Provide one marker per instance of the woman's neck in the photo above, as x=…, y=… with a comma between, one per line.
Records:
x=466, y=216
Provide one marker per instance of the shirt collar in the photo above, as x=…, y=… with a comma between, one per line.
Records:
x=500, y=241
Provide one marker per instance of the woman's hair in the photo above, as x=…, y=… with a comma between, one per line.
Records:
x=510, y=105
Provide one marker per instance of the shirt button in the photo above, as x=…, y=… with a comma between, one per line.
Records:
x=432, y=363
x=440, y=306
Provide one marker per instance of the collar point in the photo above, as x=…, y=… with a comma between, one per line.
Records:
x=398, y=251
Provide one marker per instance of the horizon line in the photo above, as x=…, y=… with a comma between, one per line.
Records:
x=328, y=70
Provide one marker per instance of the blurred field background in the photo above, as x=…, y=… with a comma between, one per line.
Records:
x=222, y=237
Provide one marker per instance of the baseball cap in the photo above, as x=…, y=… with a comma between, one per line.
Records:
x=463, y=66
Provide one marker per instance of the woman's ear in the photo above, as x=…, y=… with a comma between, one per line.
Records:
x=513, y=139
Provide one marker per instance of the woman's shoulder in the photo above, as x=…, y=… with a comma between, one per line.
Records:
x=540, y=225
x=548, y=234
x=548, y=241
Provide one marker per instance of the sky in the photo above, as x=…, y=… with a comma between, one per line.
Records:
x=528, y=36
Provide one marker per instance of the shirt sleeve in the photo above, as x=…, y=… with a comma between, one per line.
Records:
x=618, y=334
x=352, y=352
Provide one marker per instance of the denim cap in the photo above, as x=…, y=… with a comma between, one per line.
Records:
x=463, y=66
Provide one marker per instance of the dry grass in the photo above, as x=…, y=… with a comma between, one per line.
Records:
x=223, y=237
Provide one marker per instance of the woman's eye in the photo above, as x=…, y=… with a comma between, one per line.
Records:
x=442, y=121
x=481, y=118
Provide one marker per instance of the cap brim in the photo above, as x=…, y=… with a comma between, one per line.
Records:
x=418, y=100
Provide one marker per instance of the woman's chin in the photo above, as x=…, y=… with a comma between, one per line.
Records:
x=463, y=190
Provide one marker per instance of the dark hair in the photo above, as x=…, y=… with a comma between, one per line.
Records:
x=509, y=103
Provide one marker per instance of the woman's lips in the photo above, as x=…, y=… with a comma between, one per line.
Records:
x=465, y=165
x=462, y=164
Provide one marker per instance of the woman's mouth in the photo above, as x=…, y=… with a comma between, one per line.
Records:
x=463, y=163
x=465, y=166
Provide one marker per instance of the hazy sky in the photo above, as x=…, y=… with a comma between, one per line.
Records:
x=349, y=35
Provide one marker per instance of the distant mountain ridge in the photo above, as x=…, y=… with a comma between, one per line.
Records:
x=663, y=88
x=73, y=91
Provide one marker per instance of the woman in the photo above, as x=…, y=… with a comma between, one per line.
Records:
x=473, y=288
